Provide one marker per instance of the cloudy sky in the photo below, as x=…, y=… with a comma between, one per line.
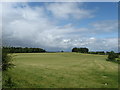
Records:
x=61, y=26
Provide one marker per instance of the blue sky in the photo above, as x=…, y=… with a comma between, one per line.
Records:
x=103, y=11
x=61, y=26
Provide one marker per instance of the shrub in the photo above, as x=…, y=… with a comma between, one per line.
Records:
x=112, y=56
x=9, y=82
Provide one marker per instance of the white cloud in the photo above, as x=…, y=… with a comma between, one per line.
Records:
x=103, y=44
x=105, y=26
x=69, y=10
x=30, y=26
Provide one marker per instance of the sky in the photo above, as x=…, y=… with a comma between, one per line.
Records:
x=56, y=26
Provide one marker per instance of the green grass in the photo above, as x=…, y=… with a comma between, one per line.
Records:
x=62, y=70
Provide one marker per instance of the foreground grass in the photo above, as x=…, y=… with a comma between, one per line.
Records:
x=63, y=70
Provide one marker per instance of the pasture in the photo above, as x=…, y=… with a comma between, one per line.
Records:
x=62, y=70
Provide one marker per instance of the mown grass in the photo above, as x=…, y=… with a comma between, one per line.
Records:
x=62, y=70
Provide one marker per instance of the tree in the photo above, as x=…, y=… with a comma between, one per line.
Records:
x=101, y=52
x=24, y=50
x=81, y=50
x=7, y=64
x=75, y=49
x=6, y=60
x=62, y=51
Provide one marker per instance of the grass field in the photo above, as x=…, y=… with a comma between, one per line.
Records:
x=63, y=70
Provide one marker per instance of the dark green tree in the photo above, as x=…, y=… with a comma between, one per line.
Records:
x=6, y=60
x=81, y=50
x=75, y=49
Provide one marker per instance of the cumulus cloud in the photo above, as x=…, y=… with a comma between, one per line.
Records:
x=69, y=10
x=28, y=26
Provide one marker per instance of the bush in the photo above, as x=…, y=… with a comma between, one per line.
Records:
x=112, y=56
x=9, y=82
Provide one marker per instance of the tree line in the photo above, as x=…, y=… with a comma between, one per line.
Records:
x=23, y=50
x=86, y=50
